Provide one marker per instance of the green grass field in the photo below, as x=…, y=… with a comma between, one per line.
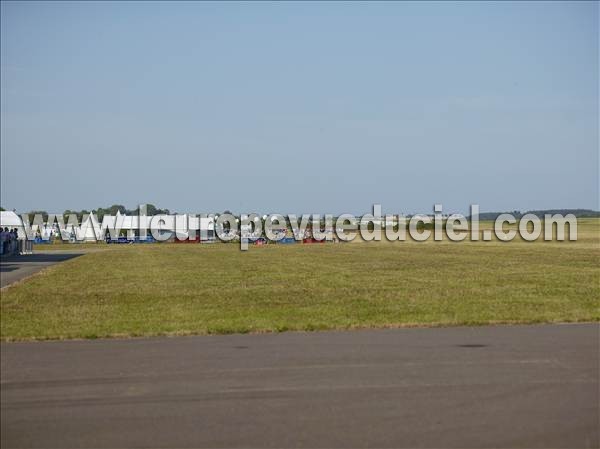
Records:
x=169, y=289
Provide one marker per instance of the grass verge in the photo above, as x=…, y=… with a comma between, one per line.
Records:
x=168, y=289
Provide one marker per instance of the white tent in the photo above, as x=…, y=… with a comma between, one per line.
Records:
x=91, y=229
x=11, y=220
x=86, y=231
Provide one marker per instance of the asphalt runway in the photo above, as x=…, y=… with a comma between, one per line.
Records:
x=504, y=386
x=16, y=268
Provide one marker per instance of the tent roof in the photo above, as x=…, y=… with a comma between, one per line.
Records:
x=9, y=218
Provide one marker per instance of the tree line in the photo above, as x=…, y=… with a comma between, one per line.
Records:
x=579, y=213
x=100, y=212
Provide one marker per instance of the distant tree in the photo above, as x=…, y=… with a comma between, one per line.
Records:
x=112, y=210
x=151, y=209
x=33, y=213
x=100, y=213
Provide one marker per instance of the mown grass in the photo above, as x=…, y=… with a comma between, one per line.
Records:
x=134, y=290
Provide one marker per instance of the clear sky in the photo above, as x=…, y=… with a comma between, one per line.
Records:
x=299, y=107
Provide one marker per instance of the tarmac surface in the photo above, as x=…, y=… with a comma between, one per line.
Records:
x=16, y=268
x=495, y=386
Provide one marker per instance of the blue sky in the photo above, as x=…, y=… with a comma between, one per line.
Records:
x=299, y=107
